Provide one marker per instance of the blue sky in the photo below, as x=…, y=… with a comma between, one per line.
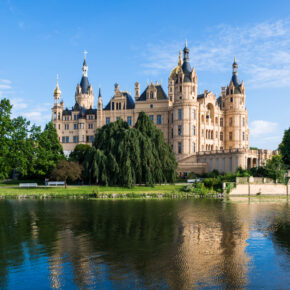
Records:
x=129, y=41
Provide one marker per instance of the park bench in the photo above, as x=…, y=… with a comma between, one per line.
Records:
x=55, y=183
x=28, y=185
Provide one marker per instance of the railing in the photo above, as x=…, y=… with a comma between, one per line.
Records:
x=55, y=183
x=28, y=185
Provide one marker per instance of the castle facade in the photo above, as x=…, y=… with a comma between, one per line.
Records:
x=205, y=132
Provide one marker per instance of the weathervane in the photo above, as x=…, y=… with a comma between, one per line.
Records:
x=85, y=54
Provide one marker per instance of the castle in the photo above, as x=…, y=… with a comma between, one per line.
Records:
x=205, y=132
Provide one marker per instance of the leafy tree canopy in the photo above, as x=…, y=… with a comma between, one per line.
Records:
x=66, y=170
x=79, y=153
x=284, y=147
x=24, y=148
x=126, y=156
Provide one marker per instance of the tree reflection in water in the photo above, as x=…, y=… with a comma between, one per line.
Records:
x=129, y=244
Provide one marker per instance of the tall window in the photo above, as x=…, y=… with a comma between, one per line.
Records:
x=151, y=95
x=179, y=130
x=91, y=126
x=113, y=106
x=91, y=139
x=75, y=126
x=221, y=122
x=151, y=117
x=193, y=114
x=243, y=136
x=231, y=136
x=231, y=121
x=129, y=120
x=63, y=139
x=76, y=139
x=179, y=147
x=193, y=130
x=179, y=114
x=159, y=119
x=193, y=147
x=221, y=136
x=243, y=121
x=108, y=120
x=67, y=139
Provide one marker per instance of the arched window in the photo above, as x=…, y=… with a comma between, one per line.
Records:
x=151, y=95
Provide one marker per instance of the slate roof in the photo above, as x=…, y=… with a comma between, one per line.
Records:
x=129, y=102
x=84, y=84
x=161, y=95
x=82, y=111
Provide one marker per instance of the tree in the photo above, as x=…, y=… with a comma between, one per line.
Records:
x=79, y=153
x=275, y=168
x=67, y=170
x=284, y=148
x=48, y=151
x=125, y=156
x=5, y=134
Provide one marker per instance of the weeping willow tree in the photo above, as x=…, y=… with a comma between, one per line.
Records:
x=125, y=156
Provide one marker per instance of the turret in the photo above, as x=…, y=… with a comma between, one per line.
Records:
x=182, y=86
x=84, y=92
x=236, y=115
x=100, y=100
x=137, y=90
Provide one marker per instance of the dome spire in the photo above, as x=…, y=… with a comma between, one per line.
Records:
x=180, y=58
x=57, y=91
x=235, y=78
x=85, y=67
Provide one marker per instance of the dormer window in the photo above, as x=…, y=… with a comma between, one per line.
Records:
x=151, y=95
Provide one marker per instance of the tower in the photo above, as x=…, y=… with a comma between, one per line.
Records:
x=84, y=95
x=183, y=90
x=100, y=110
x=57, y=107
x=236, y=115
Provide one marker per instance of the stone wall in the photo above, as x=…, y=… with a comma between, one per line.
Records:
x=262, y=188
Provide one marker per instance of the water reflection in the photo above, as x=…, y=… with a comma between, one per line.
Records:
x=134, y=244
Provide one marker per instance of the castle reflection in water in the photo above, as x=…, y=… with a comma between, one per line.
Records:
x=129, y=244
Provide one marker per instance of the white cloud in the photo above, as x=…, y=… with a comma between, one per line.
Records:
x=260, y=127
x=262, y=51
x=5, y=84
x=18, y=104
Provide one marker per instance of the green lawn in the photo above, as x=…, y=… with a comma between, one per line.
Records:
x=87, y=190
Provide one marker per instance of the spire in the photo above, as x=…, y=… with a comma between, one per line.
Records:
x=186, y=52
x=235, y=66
x=100, y=95
x=57, y=91
x=84, y=81
x=85, y=67
x=180, y=58
x=235, y=78
x=186, y=68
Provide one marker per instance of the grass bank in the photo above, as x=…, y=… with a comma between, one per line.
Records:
x=91, y=191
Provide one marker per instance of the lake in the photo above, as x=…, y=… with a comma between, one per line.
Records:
x=144, y=244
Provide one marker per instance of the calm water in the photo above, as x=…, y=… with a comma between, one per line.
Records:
x=137, y=244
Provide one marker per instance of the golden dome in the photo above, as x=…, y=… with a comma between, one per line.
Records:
x=177, y=69
x=57, y=91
